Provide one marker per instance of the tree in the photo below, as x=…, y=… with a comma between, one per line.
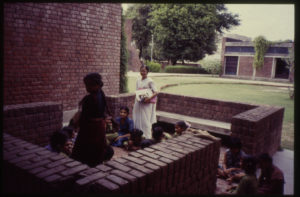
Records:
x=188, y=31
x=141, y=32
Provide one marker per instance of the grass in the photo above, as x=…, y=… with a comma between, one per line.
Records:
x=232, y=90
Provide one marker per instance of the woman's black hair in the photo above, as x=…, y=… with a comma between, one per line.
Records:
x=146, y=67
x=182, y=124
x=124, y=108
x=93, y=79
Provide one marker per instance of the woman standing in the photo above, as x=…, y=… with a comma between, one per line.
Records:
x=144, y=111
x=90, y=145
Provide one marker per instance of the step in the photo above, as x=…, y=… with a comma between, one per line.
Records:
x=212, y=126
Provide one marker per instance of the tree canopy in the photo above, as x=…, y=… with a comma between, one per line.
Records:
x=181, y=31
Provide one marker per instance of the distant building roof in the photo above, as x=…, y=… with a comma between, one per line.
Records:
x=237, y=37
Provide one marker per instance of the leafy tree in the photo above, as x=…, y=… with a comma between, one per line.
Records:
x=188, y=31
x=141, y=31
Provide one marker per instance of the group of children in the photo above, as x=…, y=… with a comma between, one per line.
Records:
x=121, y=132
x=237, y=166
x=241, y=168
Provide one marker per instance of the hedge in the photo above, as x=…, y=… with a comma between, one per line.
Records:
x=185, y=69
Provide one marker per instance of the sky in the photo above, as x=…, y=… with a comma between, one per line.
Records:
x=273, y=21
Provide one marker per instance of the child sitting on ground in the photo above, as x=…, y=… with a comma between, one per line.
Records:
x=157, y=136
x=125, y=128
x=59, y=143
x=70, y=132
x=231, y=168
x=182, y=127
x=248, y=183
x=134, y=142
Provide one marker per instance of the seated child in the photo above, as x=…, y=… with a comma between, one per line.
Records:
x=183, y=126
x=135, y=140
x=125, y=127
x=59, y=143
x=271, y=178
x=231, y=168
x=157, y=136
x=248, y=183
x=70, y=132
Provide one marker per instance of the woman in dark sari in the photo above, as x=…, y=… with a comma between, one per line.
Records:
x=90, y=146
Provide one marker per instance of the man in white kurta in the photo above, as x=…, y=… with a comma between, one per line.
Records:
x=144, y=114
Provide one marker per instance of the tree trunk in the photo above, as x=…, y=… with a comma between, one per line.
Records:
x=173, y=61
x=254, y=74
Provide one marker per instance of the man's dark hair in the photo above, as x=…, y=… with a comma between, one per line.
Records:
x=235, y=143
x=157, y=133
x=124, y=108
x=265, y=157
x=182, y=124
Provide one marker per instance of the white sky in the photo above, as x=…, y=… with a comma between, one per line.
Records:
x=273, y=21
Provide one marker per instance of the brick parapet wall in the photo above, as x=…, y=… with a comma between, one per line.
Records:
x=182, y=165
x=259, y=129
x=114, y=102
x=201, y=107
x=50, y=47
x=33, y=122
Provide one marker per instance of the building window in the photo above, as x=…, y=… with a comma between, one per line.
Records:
x=231, y=65
x=280, y=50
x=239, y=49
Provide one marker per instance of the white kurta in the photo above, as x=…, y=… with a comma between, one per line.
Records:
x=144, y=114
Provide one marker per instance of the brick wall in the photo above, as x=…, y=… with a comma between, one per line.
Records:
x=245, y=66
x=33, y=122
x=266, y=70
x=201, y=107
x=114, y=102
x=50, y=47
x=182, y=165
x=259, y=129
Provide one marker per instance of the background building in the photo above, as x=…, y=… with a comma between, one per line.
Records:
x=237, y=59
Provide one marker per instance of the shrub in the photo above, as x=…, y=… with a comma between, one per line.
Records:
x=153, y=66
x=184, y=69
x=212, y=66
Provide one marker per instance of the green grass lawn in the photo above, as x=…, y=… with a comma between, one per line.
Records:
x=232, y=90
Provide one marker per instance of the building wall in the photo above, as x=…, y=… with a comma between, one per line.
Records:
x=50, y=47
x=245, y=66
x=266, y=70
